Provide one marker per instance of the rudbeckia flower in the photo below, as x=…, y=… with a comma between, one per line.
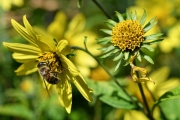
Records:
x=127, y=40
x=50, y=56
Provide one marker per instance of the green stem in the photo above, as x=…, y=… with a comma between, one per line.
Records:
x=100, y=7
x=145, y=102
x=115, y=80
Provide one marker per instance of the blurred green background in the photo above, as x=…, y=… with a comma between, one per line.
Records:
x=25, y=98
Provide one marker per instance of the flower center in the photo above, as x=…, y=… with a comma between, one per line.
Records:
x=52, y=61
x=127, y=35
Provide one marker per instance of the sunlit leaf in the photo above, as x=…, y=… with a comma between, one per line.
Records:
x=173, y=94
x=109, y=32
x=110, y=93
x=143, y=18
x=148, y=58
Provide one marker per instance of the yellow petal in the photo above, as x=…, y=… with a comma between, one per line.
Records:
x=63, y=47
x=22, y=58
x=29, y=28
x=65, y=92
x=27, y=68
x=81, y=85
x=22, y=48
x=76, y=25
x=43, y=44
x=68, y=64
x=48, y=42
x=58, y=26
x=23, y=32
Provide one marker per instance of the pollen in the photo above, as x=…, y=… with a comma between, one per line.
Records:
x=52, y=60
x=127, y=35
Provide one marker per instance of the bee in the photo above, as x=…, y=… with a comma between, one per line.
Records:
x=45, y=72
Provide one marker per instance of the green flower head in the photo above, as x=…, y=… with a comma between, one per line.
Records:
x=127, y=37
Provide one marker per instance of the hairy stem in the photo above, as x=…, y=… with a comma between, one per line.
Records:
x=115, y=80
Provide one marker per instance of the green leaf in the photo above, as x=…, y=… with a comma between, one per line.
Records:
x=134, y=16
x=173, y=94
x=153, y=36
x=143, y=18
x=126, y=55
x=113, y=23
x=109, y=25
x=104, y=42
x=148, y=58
x=128, y=15
x=120, y=17
x=148, y=47
x=171, y=109
x=109, y=32
x=106, y=55
x=150, y=24
x=139, y=56
x=117, y=102
x=117, y=50
x=118, y=65
x=109, y=48
x=16, y=110
x=119, y=56
x=152, y=41
x=102, y=49
x=104, y=39
x=79, y=3
x=110, y=93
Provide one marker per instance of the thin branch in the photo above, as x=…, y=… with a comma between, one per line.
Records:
x=100, y=7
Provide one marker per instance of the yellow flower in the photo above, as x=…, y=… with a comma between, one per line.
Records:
x=6, y=4
x=51, y=59
x=172, y=40
x=165, y=15
x=74, y=31
x=127, y=38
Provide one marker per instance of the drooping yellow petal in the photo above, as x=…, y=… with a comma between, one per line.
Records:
x=22, y=48
x=81, y=85
x=65, y=92
x=23, y=32
x=68, y=64
x=27, y=68
x=63, y=47
x=22, y=58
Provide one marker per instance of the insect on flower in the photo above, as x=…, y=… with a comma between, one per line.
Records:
x=50, y=58
x=45, y=72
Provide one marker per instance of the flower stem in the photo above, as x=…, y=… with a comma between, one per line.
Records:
x=149, y=115
x=97, y=3
x=115, y=80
